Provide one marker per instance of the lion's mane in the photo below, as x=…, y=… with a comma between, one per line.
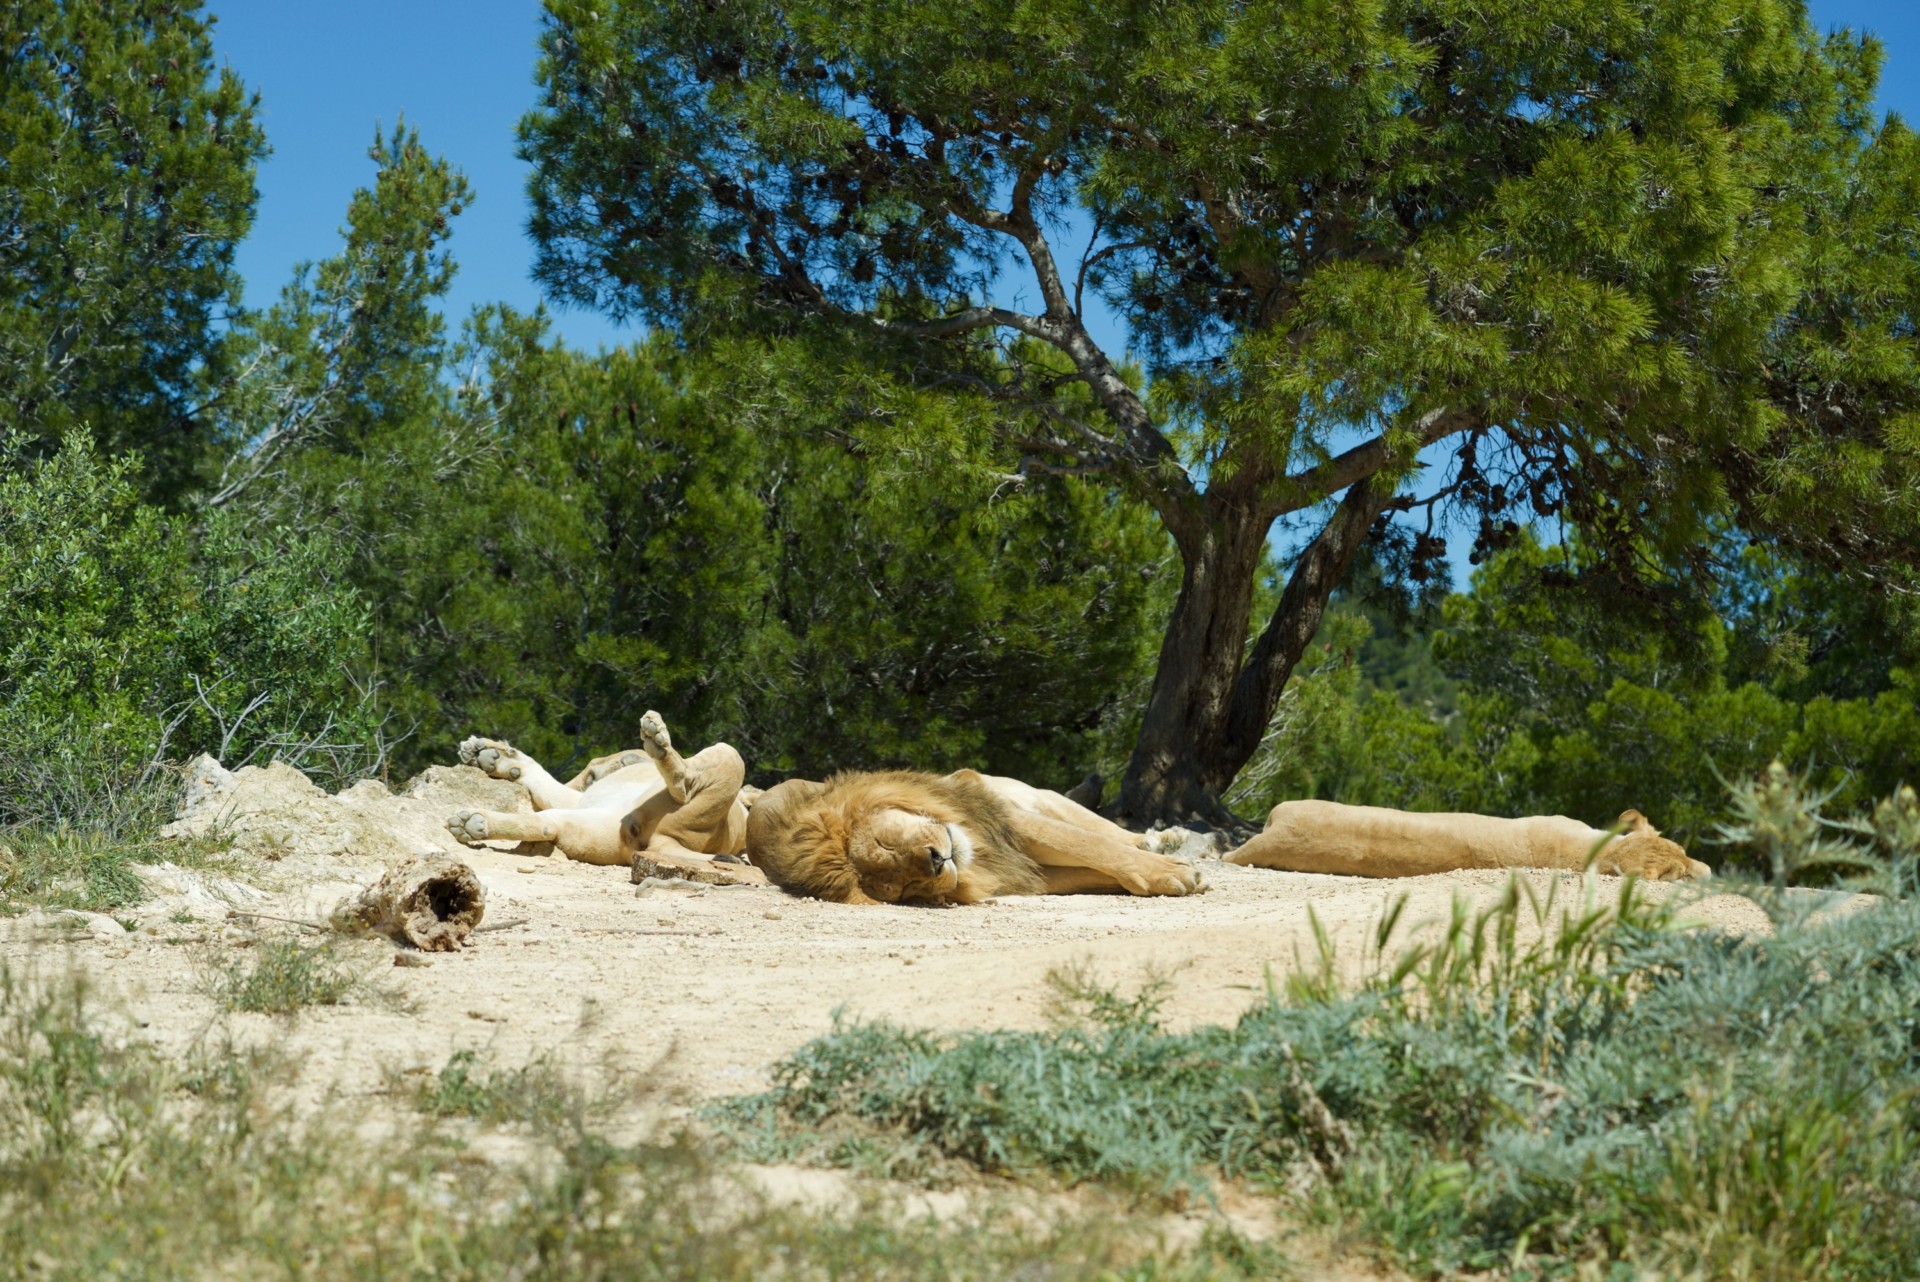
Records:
x=799, y=833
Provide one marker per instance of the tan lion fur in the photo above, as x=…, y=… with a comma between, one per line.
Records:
x=894, y=836
x=1369, y=841
x=648, y=799
x=817, y=839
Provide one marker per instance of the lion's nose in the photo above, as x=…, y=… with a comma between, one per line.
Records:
x=935, y=860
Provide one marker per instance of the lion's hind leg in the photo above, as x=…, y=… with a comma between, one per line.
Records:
x=1051, y=805
x=589, y=836
x=699, y=811
x=600, y=767
x=682, y=780
x=502, y=760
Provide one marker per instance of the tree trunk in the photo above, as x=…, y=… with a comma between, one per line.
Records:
x=1193, y=686
x=1208, y=711
x=1320, y=568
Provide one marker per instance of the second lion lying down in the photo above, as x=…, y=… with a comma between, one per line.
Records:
x=1368, y=841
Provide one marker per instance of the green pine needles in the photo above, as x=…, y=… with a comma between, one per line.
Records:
x=1645, y=269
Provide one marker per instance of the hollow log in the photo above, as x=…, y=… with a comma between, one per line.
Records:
x=430, y=901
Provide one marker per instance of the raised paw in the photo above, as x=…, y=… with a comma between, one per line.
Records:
x=653, y=734
x=501, y=760
x=469, y=827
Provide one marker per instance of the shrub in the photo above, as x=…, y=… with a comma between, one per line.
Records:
x=1614, y=1089
x=128, y=636
x=117, y=1161
x=285, y=975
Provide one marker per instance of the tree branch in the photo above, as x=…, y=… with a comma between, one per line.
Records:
x=1296, y=617
x=1305, y=488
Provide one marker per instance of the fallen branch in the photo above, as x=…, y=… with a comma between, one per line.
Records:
x=237, y=914
x=648, y=930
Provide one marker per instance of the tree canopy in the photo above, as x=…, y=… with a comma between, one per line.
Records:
x=549, y=542
x=129, y=162
x=1638, y=267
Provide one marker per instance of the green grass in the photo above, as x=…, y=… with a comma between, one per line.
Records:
x=537, y=1093
x=281, y=975
x=1623, y=1097
x=80, y=854
x=65, y=868
x=117, y=1161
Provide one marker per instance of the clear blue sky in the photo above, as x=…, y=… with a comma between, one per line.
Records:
x=461, y=71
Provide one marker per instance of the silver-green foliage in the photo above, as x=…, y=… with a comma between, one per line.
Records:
x=1618, y=1088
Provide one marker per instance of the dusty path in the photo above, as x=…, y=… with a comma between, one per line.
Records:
x=704, y=988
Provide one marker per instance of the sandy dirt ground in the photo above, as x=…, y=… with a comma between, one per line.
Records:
x=701, y=988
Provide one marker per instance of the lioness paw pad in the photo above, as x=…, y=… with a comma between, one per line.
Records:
x=653, y=734
x=469, y=827
x=500, y=760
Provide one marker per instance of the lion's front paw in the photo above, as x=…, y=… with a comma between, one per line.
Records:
x=653, y=734
x=1162, y=875
x=1653, y=865
x=469, y=827
x=1676, y=868
x=501, y=760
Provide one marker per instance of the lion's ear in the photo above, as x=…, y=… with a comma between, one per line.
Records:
x=1636, y=824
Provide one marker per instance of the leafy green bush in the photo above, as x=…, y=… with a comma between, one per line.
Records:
x=128, y=637
x=1613, y=1089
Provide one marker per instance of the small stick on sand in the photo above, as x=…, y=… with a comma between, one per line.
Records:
x=647, y=930
x=236, y=914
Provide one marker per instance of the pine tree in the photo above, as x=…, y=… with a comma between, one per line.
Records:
x=1639, y=267
x=128, y=162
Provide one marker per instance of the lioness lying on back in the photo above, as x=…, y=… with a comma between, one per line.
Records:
x=893, y=836
x=651, y=799
x=1367, y=841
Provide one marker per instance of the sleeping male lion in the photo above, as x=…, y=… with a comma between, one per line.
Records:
x=1368, y=841
x=901, y=835
x=650, y=799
